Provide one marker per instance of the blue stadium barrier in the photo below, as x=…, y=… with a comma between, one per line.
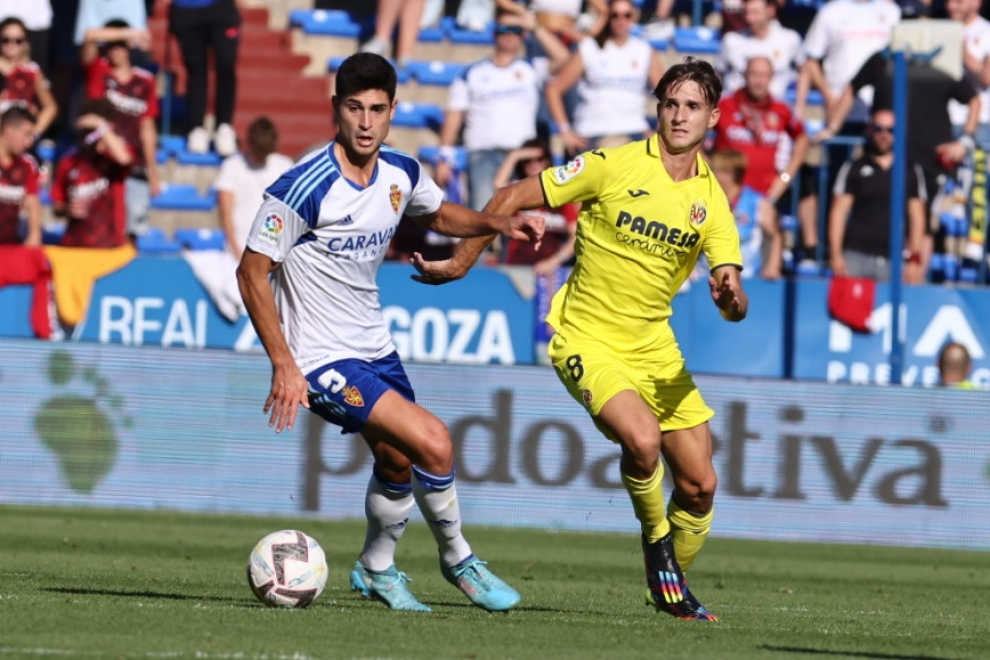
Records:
x=184, y=197
x=154, y=241
x=435, y=72
x=201, y=239
x=698, y=39
x=431, y=155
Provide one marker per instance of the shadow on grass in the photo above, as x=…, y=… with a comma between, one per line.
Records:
x=140, y=594
x=851, y=654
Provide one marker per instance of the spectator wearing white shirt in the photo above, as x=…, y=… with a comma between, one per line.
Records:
x=243, y=178
x=764, y=36
x=976, y=64
x=495, y=101
x=841, y=38
x=614, y=72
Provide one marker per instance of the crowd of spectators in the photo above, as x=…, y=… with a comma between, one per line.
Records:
x=563, y=76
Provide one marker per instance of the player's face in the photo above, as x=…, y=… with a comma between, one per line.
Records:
x=685, y=117
x=881, y=132
x=364, y=119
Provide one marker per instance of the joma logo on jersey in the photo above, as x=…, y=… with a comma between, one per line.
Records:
x=658, y=230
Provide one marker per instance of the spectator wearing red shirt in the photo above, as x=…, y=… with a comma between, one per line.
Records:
x=88, y=187
x=25, y=84
x=18, y=179
x=756, y=124
x=131, y=90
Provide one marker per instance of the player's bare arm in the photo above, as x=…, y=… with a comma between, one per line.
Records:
x=522, y=195
x=728, y=294
x=289, y=387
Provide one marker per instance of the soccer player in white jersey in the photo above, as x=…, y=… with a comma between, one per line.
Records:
x=320, y=236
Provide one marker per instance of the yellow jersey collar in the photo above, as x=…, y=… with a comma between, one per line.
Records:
x=653, y=151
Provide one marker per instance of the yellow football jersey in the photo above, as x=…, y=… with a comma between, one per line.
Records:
x=638, y=238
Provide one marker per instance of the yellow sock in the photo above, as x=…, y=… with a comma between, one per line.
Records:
x=689, y=531
x=647, y=501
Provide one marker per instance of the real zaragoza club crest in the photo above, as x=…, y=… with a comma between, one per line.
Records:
x=395, y=197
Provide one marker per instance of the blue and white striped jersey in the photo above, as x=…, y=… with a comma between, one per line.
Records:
x=331, y=235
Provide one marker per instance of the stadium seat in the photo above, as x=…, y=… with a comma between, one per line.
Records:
x=44, y=196
x=154, y=241
x=435, y=72
x=337, y=23
x=184, y=197
x=208, y=159
x=697, y=40
x=430, y=155
x=201, y=239
x=51, y=234
x=418, y=115
x=461, y=36
x=172, y=144
x=814, y=97
x=45, y=151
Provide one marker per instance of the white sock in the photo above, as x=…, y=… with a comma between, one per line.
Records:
x=437, y=500
x=386, y=506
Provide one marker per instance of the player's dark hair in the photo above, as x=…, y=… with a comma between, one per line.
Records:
x=694, y=70
x=101, y=107
x=363, y=71
x=262, y=138
x=16, y=115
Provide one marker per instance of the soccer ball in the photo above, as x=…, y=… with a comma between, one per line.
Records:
x=287, y=569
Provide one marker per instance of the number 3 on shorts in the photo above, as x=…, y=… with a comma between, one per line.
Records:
x=576, y=368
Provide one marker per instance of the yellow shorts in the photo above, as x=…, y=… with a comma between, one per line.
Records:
x=593, y=373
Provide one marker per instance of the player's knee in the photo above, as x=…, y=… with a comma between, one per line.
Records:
x=434, y=447
x=697, y=495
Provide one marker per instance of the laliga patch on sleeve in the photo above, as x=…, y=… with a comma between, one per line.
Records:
x=271, y=228
x=565, y=173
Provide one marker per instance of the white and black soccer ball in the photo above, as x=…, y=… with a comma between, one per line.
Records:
x=287, y=569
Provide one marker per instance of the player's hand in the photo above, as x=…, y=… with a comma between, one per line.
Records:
x=436, y=272
x=727, y=295
x=527, y=228
x=289, y=390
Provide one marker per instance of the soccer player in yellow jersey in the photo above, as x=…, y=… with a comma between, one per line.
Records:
x=648, y=209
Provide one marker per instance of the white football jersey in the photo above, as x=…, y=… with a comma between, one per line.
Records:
x=614, y=88
x=331, y=235
x=976, y=39
x=844, y=34
x=782, y=46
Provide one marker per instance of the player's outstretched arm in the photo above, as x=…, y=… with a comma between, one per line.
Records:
x=289, y=387
x=525, y=194
x=728, y=294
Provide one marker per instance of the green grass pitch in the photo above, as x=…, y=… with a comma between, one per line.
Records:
x=87, y=583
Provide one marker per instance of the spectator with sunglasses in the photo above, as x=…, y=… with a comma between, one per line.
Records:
x=106, y=55
x=859, y=221
x=559, y=224
x=25, y=83
x=496, y=101
x=614, y=72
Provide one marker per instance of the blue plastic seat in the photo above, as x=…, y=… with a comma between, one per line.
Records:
x=418, y=115
x=172, y=144
x=184, y=197
x=154, y=241
x=335, y=23
x=201, y=239
x=697, y=39
x=459, y=35
x=52, y=234
x=431, y=155
x=434, y=72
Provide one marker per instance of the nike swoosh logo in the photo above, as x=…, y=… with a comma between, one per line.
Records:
x=638, y=193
